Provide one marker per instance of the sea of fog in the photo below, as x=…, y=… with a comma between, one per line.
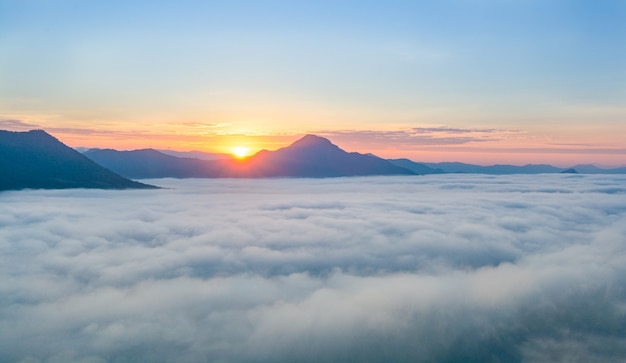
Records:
x=443, y=268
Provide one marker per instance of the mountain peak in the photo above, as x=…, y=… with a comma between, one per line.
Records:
x=39, y=134
x=311, y=140
x=36, y=159
x=38, y=131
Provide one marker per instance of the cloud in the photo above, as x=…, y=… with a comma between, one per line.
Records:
x=437, y=268
x=17, y=125
x=417, y=136
x=20, y=125
x=449, y=130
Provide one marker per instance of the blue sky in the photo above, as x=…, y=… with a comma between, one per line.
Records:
x=550, y=72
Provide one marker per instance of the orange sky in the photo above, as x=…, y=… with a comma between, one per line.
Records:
x=472, y=81
x=602, y=145
x=427, y=144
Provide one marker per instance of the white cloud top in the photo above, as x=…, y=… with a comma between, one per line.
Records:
x=437, y=268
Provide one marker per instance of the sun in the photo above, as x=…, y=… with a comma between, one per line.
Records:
x=240, y=152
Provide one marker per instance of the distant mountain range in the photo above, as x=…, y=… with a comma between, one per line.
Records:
x=592, y=169
x=311, y=156
x=149, y=163
x=197, y=154
x=417, y=168
x=452, y=167
x=36, y=160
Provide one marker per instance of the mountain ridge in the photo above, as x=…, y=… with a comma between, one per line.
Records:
x=37, y=160
x=502, y=169
x=310, y=156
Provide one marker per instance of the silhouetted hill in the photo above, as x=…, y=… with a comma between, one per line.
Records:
x=310, y=156
x=149, y=163
x=417, y=168
x=452, y=167
x=196, y=155
x=592, y=169
x=36, y=160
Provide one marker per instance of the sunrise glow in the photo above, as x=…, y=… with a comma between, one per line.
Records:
x=313, y=181
x=434, y=84
x=240, y=152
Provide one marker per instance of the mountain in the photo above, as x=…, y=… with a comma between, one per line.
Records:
x=417, y=168
x=313, y=157
x=310, y=157
x=36, y=160
x=452, y=167
x=149, y=163
x=592, y=169
x=196, y=155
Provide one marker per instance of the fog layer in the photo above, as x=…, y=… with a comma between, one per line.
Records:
x=442, y=268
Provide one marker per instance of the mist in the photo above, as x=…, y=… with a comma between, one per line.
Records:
x=441, y=268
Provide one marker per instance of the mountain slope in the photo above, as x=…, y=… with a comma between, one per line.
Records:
x=149, y=163
x=453, y=167
x=196, y=154
x=311, y=156
x=314, y=157
x=456, y=167
x=417, y=168
x=591, y=169
x=36, y=160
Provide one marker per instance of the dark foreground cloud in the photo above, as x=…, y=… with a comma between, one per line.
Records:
x=420, y=269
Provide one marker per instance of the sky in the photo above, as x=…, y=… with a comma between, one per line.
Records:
x=483, y=81
x=454, y=268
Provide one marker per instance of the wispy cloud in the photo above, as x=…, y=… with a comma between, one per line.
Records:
x=418, y=136
x=449, y=130
x=156, y=131
x=16, y=125
x=441, y=268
